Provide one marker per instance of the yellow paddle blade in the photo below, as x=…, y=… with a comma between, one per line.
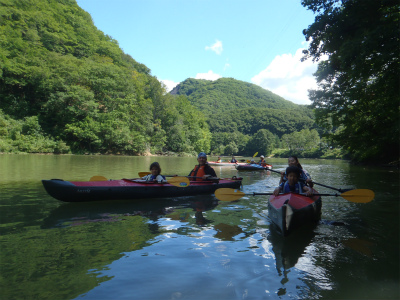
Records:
x=255, y=154
x=226, y=194
x=359, y=195
x=179, y=181
x=98, y=178
x=142, y=174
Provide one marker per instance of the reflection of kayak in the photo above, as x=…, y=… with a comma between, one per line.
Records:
x=289, y=249
x=291, y=211
x=79, y=191
x=253, y=167
x=73, y=214
x=222, y=164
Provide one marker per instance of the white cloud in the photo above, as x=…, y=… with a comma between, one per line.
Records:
x=217, y=47
x=169, y=84
x=288, y=77
x=210, y=75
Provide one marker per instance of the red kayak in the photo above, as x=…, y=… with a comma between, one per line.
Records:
x=80, y=191
x=291, y=211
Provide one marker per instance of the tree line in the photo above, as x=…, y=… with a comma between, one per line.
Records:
x=66, y=87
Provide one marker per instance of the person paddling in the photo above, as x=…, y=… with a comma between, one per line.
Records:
x=293, y=161
x=203, y=169
x=293, y=185
x=262, y=161
x=155, y=175
x=233, y=160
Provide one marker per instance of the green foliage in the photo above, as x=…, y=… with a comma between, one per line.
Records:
x=78, y=89
x=302, y=140
x=358, y=84
x=27, y=136
x=226, y=94
x=238, y=111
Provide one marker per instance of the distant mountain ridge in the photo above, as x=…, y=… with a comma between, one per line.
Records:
x=227, y=93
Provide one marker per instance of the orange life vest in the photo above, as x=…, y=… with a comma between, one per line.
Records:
x=198, y=171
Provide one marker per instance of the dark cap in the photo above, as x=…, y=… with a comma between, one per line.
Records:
x=202, y=154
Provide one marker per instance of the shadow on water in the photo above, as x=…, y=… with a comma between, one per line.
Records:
x=73, y=214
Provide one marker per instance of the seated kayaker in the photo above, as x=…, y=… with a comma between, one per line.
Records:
x=219, y=159
x=233, y=160
x=293, y=161
x=155, y=175
x=202, y=170
x=293, y=185
x=262, y=161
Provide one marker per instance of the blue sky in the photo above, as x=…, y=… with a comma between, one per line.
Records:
x=257, y=41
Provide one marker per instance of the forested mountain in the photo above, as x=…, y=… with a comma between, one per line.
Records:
x=236, y=111
x=65, y=86
x=228, y=93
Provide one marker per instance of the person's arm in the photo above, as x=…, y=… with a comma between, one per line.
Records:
x=160, y=178
x=209, y=172
x=308, y=190
x=277, y=190
x=307, y=178
x=282, y=178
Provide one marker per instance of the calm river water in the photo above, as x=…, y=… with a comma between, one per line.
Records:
x=192, y=247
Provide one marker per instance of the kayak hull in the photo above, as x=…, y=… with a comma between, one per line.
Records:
x=125, y=189
x=291, y=211
x=223, y=164
x=252, y=167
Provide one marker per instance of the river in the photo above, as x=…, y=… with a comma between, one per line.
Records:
x=192, y=247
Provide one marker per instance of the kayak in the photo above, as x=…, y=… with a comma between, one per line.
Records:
x=223, y=164
x=81, y=191
x=291, y=211
x=252, y=167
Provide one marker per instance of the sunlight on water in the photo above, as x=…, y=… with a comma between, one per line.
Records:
x=192, y=247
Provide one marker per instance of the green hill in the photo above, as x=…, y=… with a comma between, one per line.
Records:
x=65, y=86
x=243, y=117
x=227, y=93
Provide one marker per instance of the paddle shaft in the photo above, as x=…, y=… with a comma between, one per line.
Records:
x=357, y=196
x=148, y=173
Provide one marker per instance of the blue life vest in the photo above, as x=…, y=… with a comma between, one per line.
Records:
x=297, y=188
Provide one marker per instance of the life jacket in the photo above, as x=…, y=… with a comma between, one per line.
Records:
x=298, y=188
x=151, y=177
x=198, y=171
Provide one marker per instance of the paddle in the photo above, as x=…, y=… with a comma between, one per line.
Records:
x=255, y=154
x=142, y=174
x=329, y=187
x=178, y=181
x=98, y=178
x=357, y=196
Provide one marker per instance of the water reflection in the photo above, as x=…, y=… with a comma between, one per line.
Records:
x=75, y=214
x=289, y=249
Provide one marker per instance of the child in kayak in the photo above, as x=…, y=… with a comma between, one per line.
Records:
x=293, y=185
x=293, y=161
x=155, y=175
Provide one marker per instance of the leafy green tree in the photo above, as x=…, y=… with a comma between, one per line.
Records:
x=231, y=149
x=262, y=142
x=358, y=83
